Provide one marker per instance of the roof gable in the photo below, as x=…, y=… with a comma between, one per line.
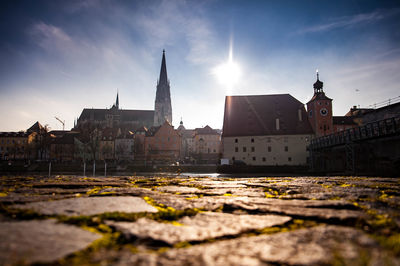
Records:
x=256, y=116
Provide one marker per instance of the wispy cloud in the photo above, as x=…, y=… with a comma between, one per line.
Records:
x=351, y=21
x=175, y=23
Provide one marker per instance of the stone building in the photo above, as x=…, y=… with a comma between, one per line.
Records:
x=115, y=117
x=319, y=110
x=207, y=143
x=162, y=144
x=266, y=130
x=187, y=143
x=62, y=147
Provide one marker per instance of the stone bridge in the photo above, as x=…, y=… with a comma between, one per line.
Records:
x=369, y=149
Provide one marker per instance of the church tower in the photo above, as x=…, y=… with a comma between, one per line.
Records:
x=319, y=110
x=162, y=106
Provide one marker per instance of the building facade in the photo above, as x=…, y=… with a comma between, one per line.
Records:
x=265, y=130
x=319, y=110
x=162, y=144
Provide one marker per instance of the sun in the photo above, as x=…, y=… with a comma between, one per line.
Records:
x=228, y=73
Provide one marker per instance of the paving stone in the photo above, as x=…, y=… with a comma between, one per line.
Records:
x=322, y=245
x=179, y=189
x=205, y=225
x=40, y=241
x=326, y=210
x=89, y=206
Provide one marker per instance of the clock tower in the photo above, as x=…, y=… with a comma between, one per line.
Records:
x=319, y=110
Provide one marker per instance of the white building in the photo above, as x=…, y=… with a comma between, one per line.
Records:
x=266, y=130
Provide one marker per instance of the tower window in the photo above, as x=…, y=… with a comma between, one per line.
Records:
x=236, y=140
x=252, y=140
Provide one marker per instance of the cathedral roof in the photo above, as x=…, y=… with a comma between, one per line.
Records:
x=125, y=115
x=256, y=116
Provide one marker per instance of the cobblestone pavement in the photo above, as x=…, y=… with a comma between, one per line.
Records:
x=199, y=220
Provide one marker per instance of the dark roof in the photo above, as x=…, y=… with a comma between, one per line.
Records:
x=320, y=96
x=152, y=131
x=256, y=116
x=343, y=120
x=207, y=130
x=67, y=138
x=35, y=127
x=20, y=134
x=125, y=115
x=59, y=133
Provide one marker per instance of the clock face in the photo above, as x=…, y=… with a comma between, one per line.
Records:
x=323, y=111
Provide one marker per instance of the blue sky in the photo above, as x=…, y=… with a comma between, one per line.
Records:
x=58, y=57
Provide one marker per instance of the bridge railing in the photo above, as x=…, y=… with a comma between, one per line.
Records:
x=375, y=129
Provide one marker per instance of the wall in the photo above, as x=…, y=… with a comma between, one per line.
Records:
x=296, y=153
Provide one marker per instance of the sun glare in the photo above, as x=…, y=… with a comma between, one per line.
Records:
x=228, y=74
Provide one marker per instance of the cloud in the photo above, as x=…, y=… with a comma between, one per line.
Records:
x=351, y=21
x=177, y=23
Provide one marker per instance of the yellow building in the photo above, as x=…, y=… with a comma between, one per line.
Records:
x=16, y=145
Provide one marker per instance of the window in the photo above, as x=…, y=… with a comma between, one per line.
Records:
x=244, y=149
x=269, y=149
x=252, y=140
x=233, y=158
x=254, y=158
x=263, y=159
x=253, y=149
x=236, y=140
x=236, y=149
x=289, y=159
x=286, y=148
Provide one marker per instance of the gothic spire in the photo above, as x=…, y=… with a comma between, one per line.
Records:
x=163, y=72
x=163, y=109
x=117, y=101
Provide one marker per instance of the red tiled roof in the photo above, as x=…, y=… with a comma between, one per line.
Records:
x=256, y=116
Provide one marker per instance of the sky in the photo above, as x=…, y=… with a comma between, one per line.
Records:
x=58, y=57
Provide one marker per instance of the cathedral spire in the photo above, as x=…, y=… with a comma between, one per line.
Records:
x=163, y=72
x=162, y=108
x=117, y=101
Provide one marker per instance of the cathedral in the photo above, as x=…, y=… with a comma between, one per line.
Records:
x=115, y=117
